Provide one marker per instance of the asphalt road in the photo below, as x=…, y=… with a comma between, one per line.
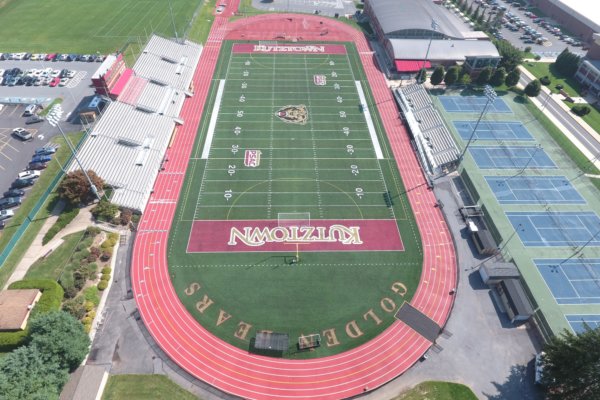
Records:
x=567, y=120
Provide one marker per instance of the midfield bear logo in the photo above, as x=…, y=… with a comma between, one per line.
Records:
x=293, y=114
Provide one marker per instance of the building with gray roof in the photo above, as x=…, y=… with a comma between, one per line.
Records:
x=128, y=143
x=408, y=28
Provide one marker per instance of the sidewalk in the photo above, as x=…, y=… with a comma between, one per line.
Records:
x=557, y=100
x=36, y=250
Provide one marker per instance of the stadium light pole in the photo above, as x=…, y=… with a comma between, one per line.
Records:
x=434, y=28
x=173, y=21
x=491, y=95
x=53, y=119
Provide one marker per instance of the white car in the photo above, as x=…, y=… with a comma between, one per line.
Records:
x=29, y=175
x=63, y=82
x=55, y=73
x=6, y=214
x=70, y=74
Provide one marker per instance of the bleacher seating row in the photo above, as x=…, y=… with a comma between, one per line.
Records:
x=439, y=140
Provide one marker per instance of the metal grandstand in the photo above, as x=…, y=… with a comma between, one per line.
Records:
x=128, y=143
x=434, y=142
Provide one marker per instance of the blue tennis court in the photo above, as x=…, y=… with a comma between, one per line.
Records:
x=473, y=104
x=510, y=157
x=574, y=281
x=534, y=190
x=493, y=130
x=578, y=322
x=556, y=228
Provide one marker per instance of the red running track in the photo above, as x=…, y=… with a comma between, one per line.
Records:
x=236, y=371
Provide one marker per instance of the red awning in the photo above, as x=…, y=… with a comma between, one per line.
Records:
x=121, y=82
x=411, y=65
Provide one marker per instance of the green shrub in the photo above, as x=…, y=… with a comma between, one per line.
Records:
x=93, y=230
x=91, y=314
x=70, y=292
x=68, y=214
x=91, y=294
x=105, y=277
x=102, y=285
x=89, y=306
x=581, y=109
x=11, y=340
x=545, y=80
x=75, y=307
x=106, y=255
x=106, y=270
x=52, y=294
x=105, y=211
x=86, y=321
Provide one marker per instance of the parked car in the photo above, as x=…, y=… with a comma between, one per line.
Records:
x=9, y=202
x=29, y=174
x=22, y=134
x=54, y=82
x=30, y=110
x=45, y=151
x=34, y=119
x=41, y=159
x=22, y=183
x=14, y=193
x=37, y=165
x=6, y=214
x=63, y=82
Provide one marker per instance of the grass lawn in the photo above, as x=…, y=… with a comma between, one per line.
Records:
x=434, y=390
x=325, y=165
x=52, y=266
x=144, y=387
x=33, y=196
x=541, y=69
x=592, y=119
x=87, y=26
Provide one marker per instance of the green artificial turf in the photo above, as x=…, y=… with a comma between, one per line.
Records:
x=304, y=168
x=87, y=26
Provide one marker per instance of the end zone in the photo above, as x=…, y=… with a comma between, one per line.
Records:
x=268, y=236
x=241, y=48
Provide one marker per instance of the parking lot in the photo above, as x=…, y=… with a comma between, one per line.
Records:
x=16, y=154
x=321, y=7
x=552, y=47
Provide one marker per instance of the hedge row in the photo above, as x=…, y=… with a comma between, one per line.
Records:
x=63, y=220
x=52, y=295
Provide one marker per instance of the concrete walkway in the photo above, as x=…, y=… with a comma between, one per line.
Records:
x=37, y=250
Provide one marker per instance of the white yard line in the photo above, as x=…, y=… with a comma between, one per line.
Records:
x=213, y=120
x=367, y=113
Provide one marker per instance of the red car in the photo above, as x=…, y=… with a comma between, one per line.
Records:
x=50, y=57
x=54, y=82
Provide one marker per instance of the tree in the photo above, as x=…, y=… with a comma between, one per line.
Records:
x=571, y=365
x=76, y=189
x=476, y=14
x=533, y=88
x=25, y=374
x=511, y=56
x=469, y=9
x=421, y=75
x=581, y=109
x=105, y=210
x=498, y=77
x=513, y=77
x=567, y=63
x=484, y=76
x=451, y=75
x=438, y=75
x=60, y=339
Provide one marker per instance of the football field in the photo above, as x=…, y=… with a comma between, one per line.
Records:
x=293, y=217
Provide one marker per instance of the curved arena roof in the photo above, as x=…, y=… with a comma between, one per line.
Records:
x=398, y=15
